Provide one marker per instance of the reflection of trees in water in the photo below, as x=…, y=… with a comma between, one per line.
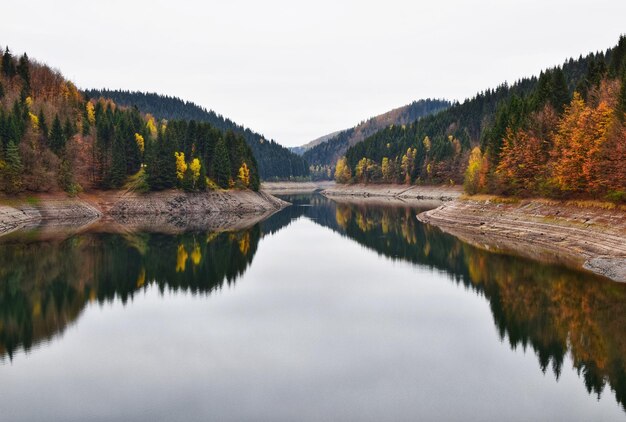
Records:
x=44, y=286
x=551, y=309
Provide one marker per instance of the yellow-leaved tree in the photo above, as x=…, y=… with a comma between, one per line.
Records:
x=244, y=174
x=386, y=169
x=472, y=174
x=181, y=165
x=34, y=120
x=342, y=171
x=195, y=167
x=91, y=113
x=151, y=125
x=140, y=142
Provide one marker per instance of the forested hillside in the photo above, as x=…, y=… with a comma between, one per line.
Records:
x=274, y=160
x=561, y=134
x=325, y=151
x=52, y=139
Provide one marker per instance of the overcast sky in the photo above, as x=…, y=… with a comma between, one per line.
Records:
x=297, y=70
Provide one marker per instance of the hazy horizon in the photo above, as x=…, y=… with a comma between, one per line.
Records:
x=298, y=72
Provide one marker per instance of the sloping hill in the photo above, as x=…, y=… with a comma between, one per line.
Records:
x=560, y=134
x=274, y=160
x=326, y=150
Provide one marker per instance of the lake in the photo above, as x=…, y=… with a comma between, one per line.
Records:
x=325, y=311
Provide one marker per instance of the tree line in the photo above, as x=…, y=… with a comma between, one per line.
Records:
x=275, y=162
x=323, y=157
x=53, y=138
x=560, y=135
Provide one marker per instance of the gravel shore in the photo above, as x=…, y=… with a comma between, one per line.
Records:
x=440, y=193
x=585, y=236
x=167, y=210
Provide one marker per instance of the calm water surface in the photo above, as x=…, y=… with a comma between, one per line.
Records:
x=325, y=311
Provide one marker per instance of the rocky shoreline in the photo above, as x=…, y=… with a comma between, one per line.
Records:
x=167, y=210
x=291, y=188
x=438, y=193
x=583, y=235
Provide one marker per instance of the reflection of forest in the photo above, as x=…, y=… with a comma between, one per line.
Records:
x=44, y=286
x=553, y=310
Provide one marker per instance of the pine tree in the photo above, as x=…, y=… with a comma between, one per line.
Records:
x=57, y=137
x=117, y=175
x=202, y=178
x=618, y=58
x=13, y=169
x=161, y=167
x=560, y=92
x=23, y=71
x=8, y=65
x=221, y=164
x=43, y=126
x=68, y=129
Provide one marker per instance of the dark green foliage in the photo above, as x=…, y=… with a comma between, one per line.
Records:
x=13, y=171
x=117, y=175
x=69, y=130
x=161, y=166
x=1, y=90
x=221, y=171
x=57, y=137
x=328, y=152
x=8, y=64
x=596, y=69
x=187, y=183
x=66, y=177
x=43, y=127
x=11, y=126
x=23, y=71
x=274, y=161
x=617, y=64
x=201, y=184
x=560, y=92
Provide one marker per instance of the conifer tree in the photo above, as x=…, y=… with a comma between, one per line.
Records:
x=117, y=175
x=202, y=178
x=43, y=126
x=8, y=65
x=57, y=137
x=618, y=58
x=161, y=167
x=221, y=164
x=13, y=169
x=68, y=129
x=560, y=92
x=24, y=72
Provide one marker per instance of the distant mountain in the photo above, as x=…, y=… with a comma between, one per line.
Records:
x=326, y=150
x=302, y=149
x=274, y=160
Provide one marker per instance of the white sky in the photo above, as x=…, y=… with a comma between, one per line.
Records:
x=297, y=70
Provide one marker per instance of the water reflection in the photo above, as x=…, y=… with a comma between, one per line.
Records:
x=553, y=311
x=44, y=285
